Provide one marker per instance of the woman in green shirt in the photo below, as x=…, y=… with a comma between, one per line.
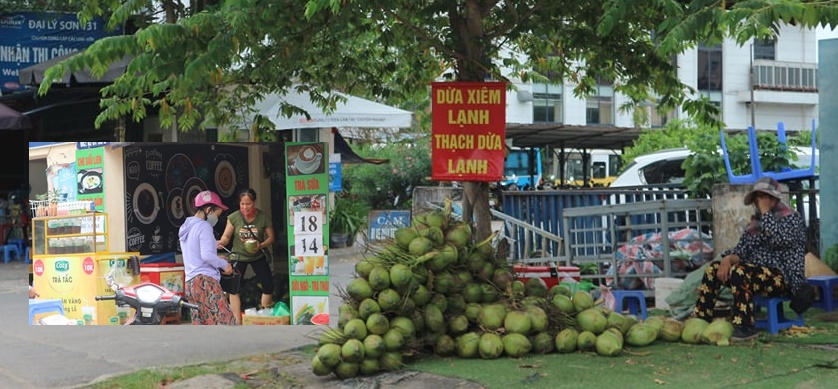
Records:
x=254, y=234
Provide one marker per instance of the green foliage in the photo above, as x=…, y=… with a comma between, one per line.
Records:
x=830, y=257
x=390, y=185
x=676, y=134
x=348, y=216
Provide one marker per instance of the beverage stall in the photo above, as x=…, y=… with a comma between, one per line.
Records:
x=71, y=261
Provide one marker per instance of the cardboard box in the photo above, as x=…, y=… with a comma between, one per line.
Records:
x=265, y=320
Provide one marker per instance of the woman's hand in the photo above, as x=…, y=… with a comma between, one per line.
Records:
x=228, y=270
x=723, y=274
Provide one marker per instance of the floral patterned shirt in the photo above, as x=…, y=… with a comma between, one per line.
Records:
x=776, y=239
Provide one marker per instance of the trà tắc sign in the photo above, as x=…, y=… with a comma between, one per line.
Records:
x=468, y=130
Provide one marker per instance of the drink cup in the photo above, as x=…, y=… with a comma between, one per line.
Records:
x=309, y=265
x=89, y=315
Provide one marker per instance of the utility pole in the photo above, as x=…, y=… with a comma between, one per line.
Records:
x=753, y=81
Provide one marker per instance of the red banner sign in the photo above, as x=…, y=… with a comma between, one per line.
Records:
x=468, y=130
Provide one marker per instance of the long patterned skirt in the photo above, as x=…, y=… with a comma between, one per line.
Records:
x=206, y=292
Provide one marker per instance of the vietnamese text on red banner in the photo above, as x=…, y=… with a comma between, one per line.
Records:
x=468, y=130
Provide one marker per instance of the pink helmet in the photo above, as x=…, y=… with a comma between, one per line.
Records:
x=209, y=197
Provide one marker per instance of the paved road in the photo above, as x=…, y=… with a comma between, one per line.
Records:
x=70, y=356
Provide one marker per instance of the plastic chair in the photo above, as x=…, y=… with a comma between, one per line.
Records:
x=825, y=285
x=37, y=307
x=790, y=173
x=7, y=252
x=634, y=300
x=776, y=319
x=756, y=168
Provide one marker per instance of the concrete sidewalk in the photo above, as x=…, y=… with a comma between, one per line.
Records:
x=60, y=357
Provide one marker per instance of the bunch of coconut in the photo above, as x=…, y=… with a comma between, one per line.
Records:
x=432, y=289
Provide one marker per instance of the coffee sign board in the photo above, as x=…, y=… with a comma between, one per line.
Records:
x=162, y=180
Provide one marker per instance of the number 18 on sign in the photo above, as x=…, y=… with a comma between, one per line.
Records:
x=308, y=233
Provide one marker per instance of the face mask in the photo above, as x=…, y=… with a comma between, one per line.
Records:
x=212, y=219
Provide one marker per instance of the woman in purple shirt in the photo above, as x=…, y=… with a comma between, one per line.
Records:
x=202, y=264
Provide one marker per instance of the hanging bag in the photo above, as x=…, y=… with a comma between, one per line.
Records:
x=231, y=283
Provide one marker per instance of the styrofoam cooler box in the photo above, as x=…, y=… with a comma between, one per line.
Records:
x=551, y=275
x=664, y=286
x=168, y=275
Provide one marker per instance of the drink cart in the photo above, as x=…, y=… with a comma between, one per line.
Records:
x=71, y=262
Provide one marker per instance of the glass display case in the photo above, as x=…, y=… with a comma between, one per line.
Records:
x=71, y=234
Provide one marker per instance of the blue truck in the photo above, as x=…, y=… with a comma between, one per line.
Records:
x=522, y=169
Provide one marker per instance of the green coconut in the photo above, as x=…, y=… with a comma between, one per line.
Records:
x=616, y=332
x=655, y=322
x=433, y=233
x=434, y=321
x=586, y=340
x=393, y=340
x=444, y=346
x=486, y=251
x=367, y=308
x=363, y=268
x=671, y=330
x=379, y=279
x=419, y=221
x=563, y=303
x=536, y=287
x=592, y=320
x=440, y=300
x=403, y=236
x=491, y=346
x=444, y=282
x=516, y=345
x=319, y=368
x=374, y=346
x=418, y=320
x=693, y=328
x=502, y=278
x=458, y=236
x=346, y=312
x=640, y=335
x=391, y=361
x=420, y=246
x=489, y=293
x=468, y=345
x=486, y=272
x=618, y=321
x=352, y=351
x=718, y=332
x=355, y=329
x=472, y=293
x=543, y=343
x=539, y=318
x=369, y=366
x=492, y=316
x=566, y=340
x=388, y=300
x=457, y=324
x=608, y=344
x=582, y=300
x=400, y=275
x=473, y=312
x=346, y=370
x=404, y=325
x=420, y=274
x=421, y=295
x=518, y=322
x=475, y=262
x=437, y=219
x=329, y=354
x=359, y=289
x=377, y=324
x=406, y=306
x=518, y=289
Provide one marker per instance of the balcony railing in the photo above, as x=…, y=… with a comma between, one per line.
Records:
x=785, y=76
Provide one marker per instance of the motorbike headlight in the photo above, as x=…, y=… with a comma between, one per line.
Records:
x=148, y=293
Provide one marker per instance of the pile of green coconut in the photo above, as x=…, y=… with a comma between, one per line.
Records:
x=432, y=290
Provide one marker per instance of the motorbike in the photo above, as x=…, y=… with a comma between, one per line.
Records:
x=151, y=302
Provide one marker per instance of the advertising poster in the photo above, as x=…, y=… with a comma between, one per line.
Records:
x=383, y=223
x=161, y=182
x=29, y=38
x=307, y=185
x=90, y=181
x=468, y=130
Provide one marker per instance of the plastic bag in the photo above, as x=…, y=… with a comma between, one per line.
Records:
x=118, y=277
x=280, y=309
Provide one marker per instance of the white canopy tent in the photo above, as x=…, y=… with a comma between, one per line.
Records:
x=354, y=112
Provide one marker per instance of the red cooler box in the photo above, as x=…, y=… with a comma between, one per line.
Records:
x=167, y=275
x=551, y=275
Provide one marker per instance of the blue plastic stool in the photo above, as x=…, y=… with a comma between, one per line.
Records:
x=28, y=259
x=37, y=306
x=825, y=285
x=20, y=243
x=7, y=251
x=634, y=300
x=776, y=319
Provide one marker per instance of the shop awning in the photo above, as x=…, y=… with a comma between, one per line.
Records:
x=347, y=155
x=354, y=112
x=13, y=120
x=34, y=75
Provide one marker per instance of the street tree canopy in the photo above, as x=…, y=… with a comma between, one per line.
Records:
x=210, y=60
